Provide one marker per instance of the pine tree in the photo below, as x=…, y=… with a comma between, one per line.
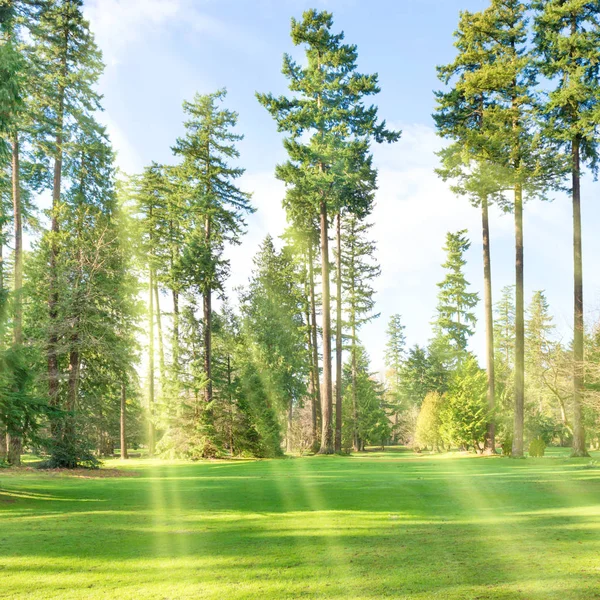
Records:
x=272, y=309
x=527, y=166
x=66, y=64
x=455, y=318
x=359, y=269
x=395, y=356
x=567, y=43
x=395, y=349
x=470, y=161
x=217, y=207
x=538, y=348
x=329, y=131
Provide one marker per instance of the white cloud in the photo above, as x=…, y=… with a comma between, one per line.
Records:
x=118, y=23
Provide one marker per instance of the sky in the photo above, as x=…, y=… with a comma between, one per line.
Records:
x=159, y=53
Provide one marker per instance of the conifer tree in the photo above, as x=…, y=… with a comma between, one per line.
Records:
x=567, y=43
x=539, y=348
x=455, y=318
x=462, y=115
x=217, y=207
x=359, y=269
x=395, y=349
x=329, y=130
x=527, y=166
x=66, y=64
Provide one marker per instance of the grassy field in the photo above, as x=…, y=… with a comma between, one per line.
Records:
x=383, y=525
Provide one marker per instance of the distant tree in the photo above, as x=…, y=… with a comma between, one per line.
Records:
x=455, y=317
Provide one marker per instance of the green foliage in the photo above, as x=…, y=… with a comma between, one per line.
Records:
x=537, y=448
x=507, y=444
x=464, y=416
x=429, y=422
x=455, y=318
x=364, y=404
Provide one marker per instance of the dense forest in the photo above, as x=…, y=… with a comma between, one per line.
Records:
x=116, y=330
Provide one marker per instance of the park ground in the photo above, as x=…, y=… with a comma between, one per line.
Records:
x=381, y=525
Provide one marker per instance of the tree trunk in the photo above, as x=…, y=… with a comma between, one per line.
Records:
x=356, y=442
x=18, y=257
x=161, y=347
x=579, y=446
x=315, y=348
x=207, y=306
x=52, y=349
x=490, y=442
x=14, y=448
x=151, y=432
x=290, y=424
x=124, y=455
x=175, y=341
x=338, y=336
x=517, y=448
x=311, y=373
x=327, y=400
x=73, y=385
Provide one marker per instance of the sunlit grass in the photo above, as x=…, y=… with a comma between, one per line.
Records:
x=381, y=525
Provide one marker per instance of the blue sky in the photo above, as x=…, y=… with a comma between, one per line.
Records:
x=160, y=52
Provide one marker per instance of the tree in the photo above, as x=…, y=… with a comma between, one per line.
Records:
x=67, y=64
x=395, y=355
x=329, y=131
x=527, y=165
x=273, y=325
x=470, y=161
x=217, y=207
x=427, y=432
x=455, y=317
x=464, y=415
x=567, y=45
x=364, y=398
x=395, y=349
x=359, y=269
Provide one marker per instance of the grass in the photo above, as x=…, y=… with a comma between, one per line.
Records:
x=382, y=525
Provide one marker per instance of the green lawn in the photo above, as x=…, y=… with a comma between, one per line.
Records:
x=383, y=525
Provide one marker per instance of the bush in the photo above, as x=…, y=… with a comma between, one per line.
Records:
x=70, y=452
x=537, y=448
x=507, y=446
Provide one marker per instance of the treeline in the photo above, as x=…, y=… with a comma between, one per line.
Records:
x=116, y=328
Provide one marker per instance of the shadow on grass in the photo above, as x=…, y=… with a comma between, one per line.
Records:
x=323, y=527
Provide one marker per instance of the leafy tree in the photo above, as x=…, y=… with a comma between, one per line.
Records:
x=567, y=44
x=464, y=414
x=329, y=165
x=427, y=432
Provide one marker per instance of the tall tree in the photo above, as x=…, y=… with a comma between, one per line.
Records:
x=470, y=161
x=329, y=130
x=567, y=43
x=527, y=165
x=217, y=207
x=359, y=269
x=67, y=65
